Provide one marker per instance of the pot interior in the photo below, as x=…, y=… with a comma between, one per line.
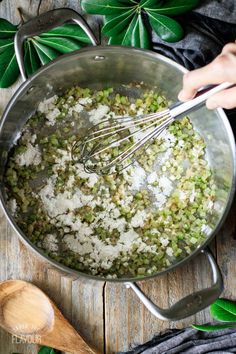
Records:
x=115, y=66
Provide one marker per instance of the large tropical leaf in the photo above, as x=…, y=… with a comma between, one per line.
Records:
x=149, y=3
x=46, y=350
x=63, y=45
x=116, y=40
x=171, y=7
x=140, y=37
x=68, y=31
x=104, y=7
x=134, y=35
x=5, y=44
x=211, y=328
x=129, y=2
x=32, y=62
x=45, y=53
x=167, y=28
x=116, y=24
x=127, y=34
x=7, y=29
x=223, y=310
x=9, y=68
x=39, y=50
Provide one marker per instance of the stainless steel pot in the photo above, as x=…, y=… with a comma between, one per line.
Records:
x=103, y=66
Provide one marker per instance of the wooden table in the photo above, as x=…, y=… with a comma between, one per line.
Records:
x=107, y=315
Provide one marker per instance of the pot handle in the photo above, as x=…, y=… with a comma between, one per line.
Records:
x=190, y=304
x=43, y=23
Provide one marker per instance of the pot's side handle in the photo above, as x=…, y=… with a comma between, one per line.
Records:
x=43, y=23
x=190, y=304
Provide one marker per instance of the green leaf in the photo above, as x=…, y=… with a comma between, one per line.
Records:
x=134, y=35
x=127, y=40
x=45, y=53
x=165, y=27
x=31, y=59
x=149, y=3
x=171, y=7
x=223, y=310
x=7, y=29
x=116, y=40
x=116, y=24
x=129, y=2
x=104, y=7
x=5, y=44
x=68, y=31
x=63, y=45
x=211, y=328
x=127, y=34
x=46, y=350
x=9, y=70
x=124, y=38
x=140, y=37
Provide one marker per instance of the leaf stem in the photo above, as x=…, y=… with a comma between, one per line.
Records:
x=38, y=8
x=22, y=18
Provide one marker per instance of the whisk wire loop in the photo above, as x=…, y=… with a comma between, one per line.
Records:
x=123, y=125
x=129, y=151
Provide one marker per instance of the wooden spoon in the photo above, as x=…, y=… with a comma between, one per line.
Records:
x=27, y=312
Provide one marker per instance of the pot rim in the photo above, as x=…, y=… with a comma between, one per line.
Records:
x=25, y=86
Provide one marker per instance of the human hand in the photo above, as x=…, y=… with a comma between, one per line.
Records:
x=221, y=69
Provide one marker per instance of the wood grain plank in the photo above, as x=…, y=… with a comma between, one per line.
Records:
x=87, y=311
x=133, y=322
x=11, y=252
x=226, y=253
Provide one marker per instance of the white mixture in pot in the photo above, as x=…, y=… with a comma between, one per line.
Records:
x=134, y=223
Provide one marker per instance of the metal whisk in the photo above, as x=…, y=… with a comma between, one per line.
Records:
x=113, y=144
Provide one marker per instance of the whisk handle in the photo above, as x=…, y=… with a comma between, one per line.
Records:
x=181, y=109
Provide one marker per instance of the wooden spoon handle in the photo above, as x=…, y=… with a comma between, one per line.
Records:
x=79, y=347
x=64, y=337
